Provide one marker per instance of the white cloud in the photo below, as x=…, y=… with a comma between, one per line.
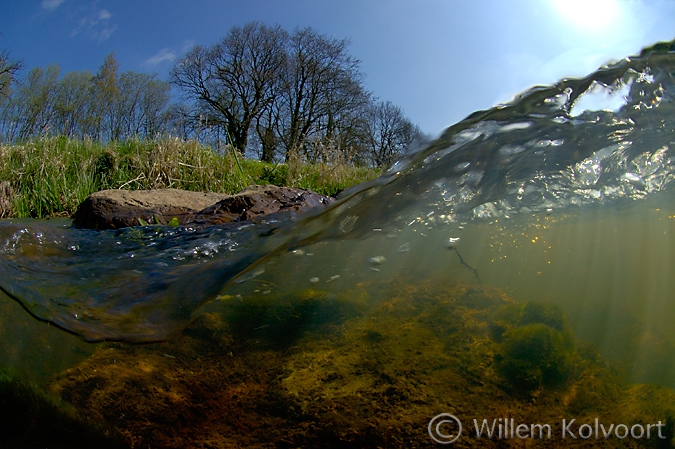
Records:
x=51, y=5
x=161, y=56
x=187, y=45
x=106, y=33
x=96, y=24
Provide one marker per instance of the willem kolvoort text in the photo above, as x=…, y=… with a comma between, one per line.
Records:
x=505, y=428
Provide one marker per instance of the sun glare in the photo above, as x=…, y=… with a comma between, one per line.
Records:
x=588, y=16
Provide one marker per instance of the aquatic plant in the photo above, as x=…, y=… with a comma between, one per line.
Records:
x=366, y=369
x=281, y=374
x=535, y=355
x=531, y=312
x=536, y=346
x=279, y=321
x=544, y=313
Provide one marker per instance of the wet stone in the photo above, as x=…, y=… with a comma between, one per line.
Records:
x=114, y=209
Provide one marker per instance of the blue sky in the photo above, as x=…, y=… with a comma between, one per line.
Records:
x=439, y=60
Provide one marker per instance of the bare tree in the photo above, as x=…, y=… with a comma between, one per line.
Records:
x=180, y=120
x=154, y=102
x=389, y=133
x=265, y=129
x=235, y=79
x=124, y=109
x=321, y=83
x=8, y=70
x=293, y=89
x=138, y=105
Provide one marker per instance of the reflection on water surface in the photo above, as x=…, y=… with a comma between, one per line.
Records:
x=517, y=268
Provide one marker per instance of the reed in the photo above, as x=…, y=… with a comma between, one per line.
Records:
x=50, y=177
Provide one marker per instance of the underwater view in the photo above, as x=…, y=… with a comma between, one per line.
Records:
x=509, y=285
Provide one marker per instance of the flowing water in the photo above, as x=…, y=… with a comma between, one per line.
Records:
x=560, y=200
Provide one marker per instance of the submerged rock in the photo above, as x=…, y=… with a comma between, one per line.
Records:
x=114, y=209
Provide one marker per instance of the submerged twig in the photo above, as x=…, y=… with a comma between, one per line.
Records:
x=466, y=265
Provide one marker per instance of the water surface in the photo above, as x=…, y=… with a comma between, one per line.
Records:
x=563, y=197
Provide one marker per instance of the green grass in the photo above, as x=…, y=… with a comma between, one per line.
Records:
x=50, y=177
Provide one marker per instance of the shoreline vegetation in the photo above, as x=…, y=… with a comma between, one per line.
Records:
x=261, y=92
x=50, y=177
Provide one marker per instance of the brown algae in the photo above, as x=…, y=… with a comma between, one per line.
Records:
x=361, y=368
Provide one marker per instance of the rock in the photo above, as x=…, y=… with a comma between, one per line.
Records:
x=113, y=209
x=255, y=201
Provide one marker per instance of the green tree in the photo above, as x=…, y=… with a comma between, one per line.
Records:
x=35, y=101
x=104, y=93
x=72, y=102
x=104, y=106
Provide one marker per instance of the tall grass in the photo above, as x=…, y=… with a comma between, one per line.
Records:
x=329, y=176
x=50, y=177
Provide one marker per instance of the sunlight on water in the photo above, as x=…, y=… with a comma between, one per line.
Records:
x=524, y=256
x=608, y=267
x=525, y=158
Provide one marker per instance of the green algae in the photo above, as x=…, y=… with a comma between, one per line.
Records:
x=535, y=346
x=535, y=355
x=365, y=367
x=279, y=321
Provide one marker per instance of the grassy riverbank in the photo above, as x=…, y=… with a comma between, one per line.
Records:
x=50, y=177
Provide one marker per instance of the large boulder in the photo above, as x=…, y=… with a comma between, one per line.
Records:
x=113, y=209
